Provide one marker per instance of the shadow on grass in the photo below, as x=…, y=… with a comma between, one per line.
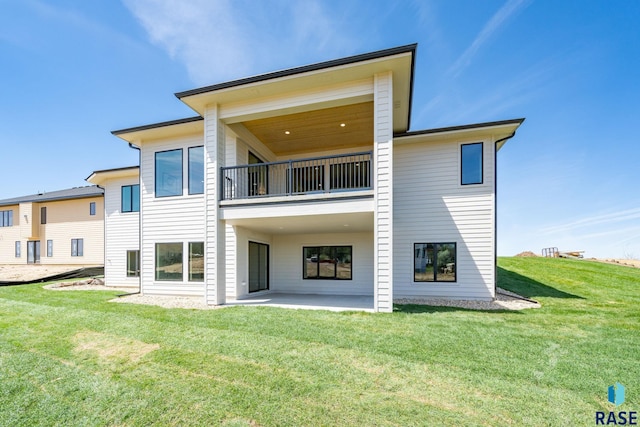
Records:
x=419, y=308
x=527, y=287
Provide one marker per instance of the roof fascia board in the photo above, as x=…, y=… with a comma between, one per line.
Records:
x=300, y=70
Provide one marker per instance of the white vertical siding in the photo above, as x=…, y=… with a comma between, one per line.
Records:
x=383, y=191
x=121, y=234
x=287, y=263
x=169, y=219
x=430, y=206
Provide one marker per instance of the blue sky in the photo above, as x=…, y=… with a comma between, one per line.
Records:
x=74, y=70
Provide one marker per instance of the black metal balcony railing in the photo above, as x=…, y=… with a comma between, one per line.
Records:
x=304, y=176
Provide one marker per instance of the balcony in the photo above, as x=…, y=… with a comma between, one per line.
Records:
x=317, y=175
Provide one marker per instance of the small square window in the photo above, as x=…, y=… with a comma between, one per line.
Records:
x=434, y=262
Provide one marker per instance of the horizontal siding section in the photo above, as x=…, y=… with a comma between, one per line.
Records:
x=10, y=235
x=70, y=219
x=430, y=206
x=169, y=219
x=287, y=261
x=122, y=234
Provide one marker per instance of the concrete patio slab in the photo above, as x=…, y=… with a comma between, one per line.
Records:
x=309, y=301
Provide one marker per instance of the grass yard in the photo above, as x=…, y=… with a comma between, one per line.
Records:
x=72, y=358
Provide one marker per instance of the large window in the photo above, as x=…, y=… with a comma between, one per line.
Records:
x=169, y=173
x=196, y=170
x=77, y=247
x=130, y=198
x=92, y=208
x=169, y=261
x=18, y=251
x=196, y=261
x=471, y=163
x=49, y=248
x=6, y=218
x=327, y=262
x=434, y=262
x=133, y=263
x=43, y=215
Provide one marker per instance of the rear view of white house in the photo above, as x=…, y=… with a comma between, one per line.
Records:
x=309, y=181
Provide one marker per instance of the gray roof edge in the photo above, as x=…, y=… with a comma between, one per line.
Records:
x=157, y=125
x=71, y=193
x=461, y=127
x=410, y=48
x=112, y=170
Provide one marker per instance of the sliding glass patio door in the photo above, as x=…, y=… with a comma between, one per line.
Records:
x=258, y=267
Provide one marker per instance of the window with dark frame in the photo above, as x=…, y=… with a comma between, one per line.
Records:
x=43, y=215
x=77, y=247
x=130, y=198
x=327, y=262
x=168, y=171
x=49, y=248
x=6, y=218
x=471, y=167
x=434, y=262
x=92, y=208
x=169, y=262
x=196, y=170
x=133, y=263
x=196, y=261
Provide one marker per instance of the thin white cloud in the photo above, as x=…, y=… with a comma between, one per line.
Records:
x=497, y=20
x=593, y=220
x=224, y=39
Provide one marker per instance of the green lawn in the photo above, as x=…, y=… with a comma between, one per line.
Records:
x=72, y=358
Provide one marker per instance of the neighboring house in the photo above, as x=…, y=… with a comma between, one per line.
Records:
x=308, y=181
x=59, y=227
x=121, y=225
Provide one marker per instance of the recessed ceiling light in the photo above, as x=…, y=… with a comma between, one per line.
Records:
x=342, y=125
x=286, y=132
x=345, y=225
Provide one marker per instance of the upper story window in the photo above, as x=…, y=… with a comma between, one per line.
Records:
x=130, y=198
x=196, y=170
x=92, y=208
x=43, y=215
x=169, y=173
x=6, y=218
x=471, y=163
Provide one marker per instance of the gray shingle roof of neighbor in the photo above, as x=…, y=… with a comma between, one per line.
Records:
x=70, y=193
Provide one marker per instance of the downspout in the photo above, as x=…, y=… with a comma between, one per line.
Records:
x=495, y=212
x=139, y=228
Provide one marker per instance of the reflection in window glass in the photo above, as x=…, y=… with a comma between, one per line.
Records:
x=434, y=262
x=327, y=262
x=133, y=263
x=196, y=261
x=169, y=173
x=196, y=170
x=77, y=247
x=169, y=261
x=130, y=198
x=471, y=163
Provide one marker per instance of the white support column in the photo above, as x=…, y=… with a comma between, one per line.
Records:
x=214, y=141
x=383, y=191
